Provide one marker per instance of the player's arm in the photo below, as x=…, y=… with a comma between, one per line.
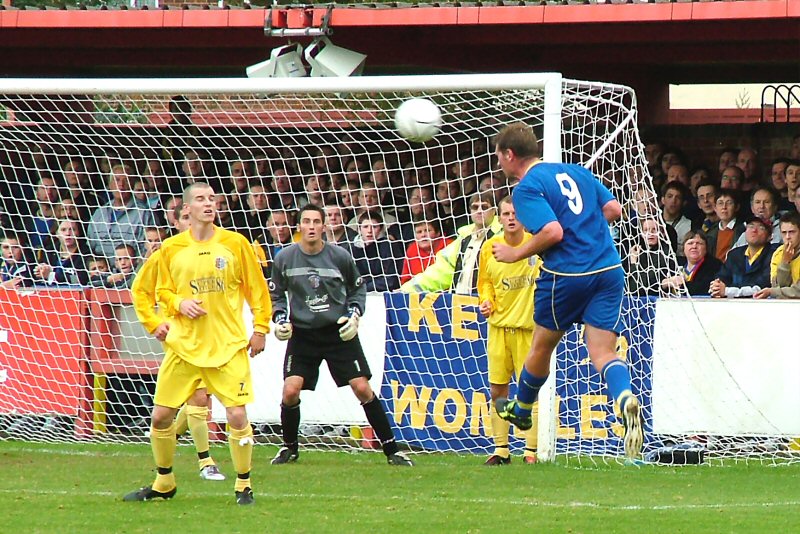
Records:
x=143, y=294
x=278, y=287
x=356, y=290
x=167, y=294
x=486, y=295
x=549, y=235
x=612, y=210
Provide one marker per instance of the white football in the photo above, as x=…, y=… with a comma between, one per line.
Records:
x=418, y=120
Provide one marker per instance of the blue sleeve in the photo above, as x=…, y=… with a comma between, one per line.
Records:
x=533, y=210
x=604, y=196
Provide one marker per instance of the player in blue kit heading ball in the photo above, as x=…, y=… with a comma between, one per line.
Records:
x=568, y=211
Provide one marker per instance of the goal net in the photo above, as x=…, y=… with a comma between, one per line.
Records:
x=92, y=171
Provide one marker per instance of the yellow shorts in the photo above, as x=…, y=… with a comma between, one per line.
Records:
x=178, y=380
x=507, y=349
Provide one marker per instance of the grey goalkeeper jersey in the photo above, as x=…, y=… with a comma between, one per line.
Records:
x=321, y=287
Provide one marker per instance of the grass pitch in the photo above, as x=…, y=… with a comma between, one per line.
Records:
x=78, y=488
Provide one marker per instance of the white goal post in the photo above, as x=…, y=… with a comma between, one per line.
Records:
x=75, y=363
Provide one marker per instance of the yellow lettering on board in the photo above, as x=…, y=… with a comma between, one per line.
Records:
x=562, y=432
x=407, y=400
x=480, y=417
x=419, y=310
x=588, y=416
x=461, y=316
x=439, y=418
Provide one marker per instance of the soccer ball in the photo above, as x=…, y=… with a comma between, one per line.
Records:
x=418, y=120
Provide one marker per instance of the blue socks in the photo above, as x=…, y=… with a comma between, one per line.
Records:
x=527, y=391
x=617, y=377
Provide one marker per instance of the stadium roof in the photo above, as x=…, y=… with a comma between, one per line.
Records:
x=635, y=43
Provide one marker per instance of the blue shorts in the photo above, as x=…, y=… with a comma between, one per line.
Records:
x=593, y=299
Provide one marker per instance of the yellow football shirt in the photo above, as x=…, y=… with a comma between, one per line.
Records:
x=221, y=273
x=508, y=286
x=794, y=266
x=143, y=293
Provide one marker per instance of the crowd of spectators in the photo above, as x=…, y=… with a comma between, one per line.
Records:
x=411, y=225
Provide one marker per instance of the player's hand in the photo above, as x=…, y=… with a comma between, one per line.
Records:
x=504, y=253
x=256, y=344
x=161, y=331
x=349, y=323
x=283, y=328
x=191, y=308
x=485, y=308
x=762, y=293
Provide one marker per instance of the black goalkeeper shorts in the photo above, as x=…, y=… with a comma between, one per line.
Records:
x=307, y=349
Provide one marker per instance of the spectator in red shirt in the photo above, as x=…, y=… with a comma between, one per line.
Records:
x=422, y=252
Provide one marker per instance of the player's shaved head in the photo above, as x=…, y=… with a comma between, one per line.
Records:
x=189, y=191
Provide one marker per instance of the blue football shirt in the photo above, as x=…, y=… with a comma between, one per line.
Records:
x=573, y=196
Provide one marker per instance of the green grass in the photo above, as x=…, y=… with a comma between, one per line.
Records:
x=77, y=488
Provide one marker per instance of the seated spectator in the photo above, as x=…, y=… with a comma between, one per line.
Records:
x=764, y=205
x=313, y=193
x=43, y=218
x=456, y=266
x=121, y=221
x=643, y=205
x=421, y=207
x=452, y=206
x=494, y=183
x=699, y=267
x=224, y=215
x=257, y=216
x=97, y=266
x=730, y=226
x=746, y=269
x=706, y=206
x=422, y=252
x=335, y=229
x=16, y=270
x=731, y=177
x=67, y=265
x=169, y=212
x=280, y=225
x=647, y=262
x=377, y=258
x=672, y=201
x=68, y=210
x=124, y=271
x=785, y=262
x=698, y=175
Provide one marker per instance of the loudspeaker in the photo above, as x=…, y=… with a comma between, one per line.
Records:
x=327, y=59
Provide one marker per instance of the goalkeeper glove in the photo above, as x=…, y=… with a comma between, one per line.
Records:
x=349, y=324
x=283, y=328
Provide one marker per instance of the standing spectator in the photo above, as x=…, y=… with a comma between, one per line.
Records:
x=153, y=237
x=421, y=207
x=124, y=271
x=282, y=197
x=319, y=298
x=280, y=225
x=706, y=206
x=456, y=265
x=369, y=200
x=724, y=234
x=122, y=220
x=180, y=134
x=746, y=269
x=257, y=216
x=778, y=183
x=67, y=264
x=747, y=160
x=313, y=192
x=672, y=200
x=39, y=228
x=378, y=259
x=727, y=158
x=732, y=177
x=785, y=262
x=793, y=182
x=421, y=253
x=505, y=293
x=452, y=206
x=699, y=267
x=647, y=261
x=79, y=188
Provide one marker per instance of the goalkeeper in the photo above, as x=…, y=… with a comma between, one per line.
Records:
x=194, y=414
x=326, y=297
x=505, y=292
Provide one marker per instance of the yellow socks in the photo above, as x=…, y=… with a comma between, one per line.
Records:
x=500, y=428
x=181, y=421
x=197, y=419
x=241, y=445
x=163, y=443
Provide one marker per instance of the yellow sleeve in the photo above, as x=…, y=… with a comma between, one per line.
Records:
x=773, y=265
x=485, y=285
x=255, y=289
x=143, y=294
x=166, y=294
